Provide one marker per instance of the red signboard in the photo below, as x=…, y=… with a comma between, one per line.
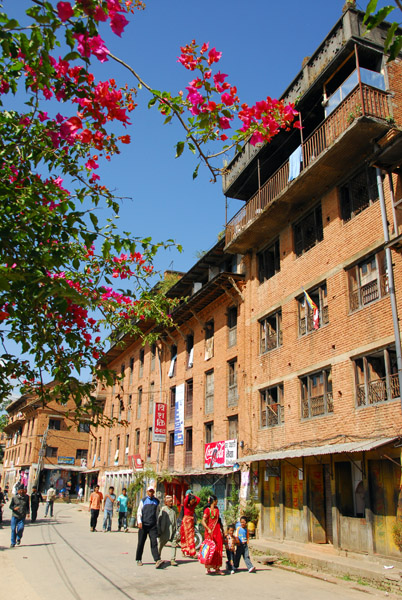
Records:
x=135, y=461
x=214, y=455
x=160, y=422
x=220, y=454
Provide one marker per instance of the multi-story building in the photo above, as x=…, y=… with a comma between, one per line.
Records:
x=288, y=338
x=44, y=446
x=320, y=301
x=194, y=365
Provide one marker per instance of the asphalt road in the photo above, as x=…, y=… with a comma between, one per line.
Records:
x=60, y=558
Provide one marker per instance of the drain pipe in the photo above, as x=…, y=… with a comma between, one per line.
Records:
x=391, y=285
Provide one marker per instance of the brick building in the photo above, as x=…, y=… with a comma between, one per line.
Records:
x=44, y=446
x=288, y=341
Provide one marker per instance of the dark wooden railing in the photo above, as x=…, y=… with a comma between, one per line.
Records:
x=368, y=101
x=378, y=390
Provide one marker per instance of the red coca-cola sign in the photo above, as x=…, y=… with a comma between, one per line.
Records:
x=214, y=455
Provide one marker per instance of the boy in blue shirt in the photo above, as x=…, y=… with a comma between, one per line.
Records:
x=122, y=501
x=242, y=550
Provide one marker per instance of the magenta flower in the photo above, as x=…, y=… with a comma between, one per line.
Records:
x=219, y=77
x=224, y=123
x=213, y=56
x=99, y=14
x=98, y=48
x=118, y=23
x=64, y=10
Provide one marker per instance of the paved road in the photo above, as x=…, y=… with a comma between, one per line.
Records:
x=60, y=558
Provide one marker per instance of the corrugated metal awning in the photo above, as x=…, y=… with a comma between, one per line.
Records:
x=360, y=446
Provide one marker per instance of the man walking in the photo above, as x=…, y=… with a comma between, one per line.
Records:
x=108, y=510
x=19, y=506
x=95, y=502
x=122, y=502
x=50, y=498
x=36, y=497
x=147, y=518
x=167, y=529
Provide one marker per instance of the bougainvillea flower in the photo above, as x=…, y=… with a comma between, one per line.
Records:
x=118, y=23
x=64, y=11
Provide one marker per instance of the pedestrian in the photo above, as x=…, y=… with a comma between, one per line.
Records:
x=2, y=502
x=36, y=498
x=230, y=542
x=95, y=503
x=19, y=506
x=122, y=502
x=213, y=531
x=50, y=498
x=167, y=529
x=187, y=524
x=80, y=494
x=242, y=535
x=108, y=503
x=147, y=519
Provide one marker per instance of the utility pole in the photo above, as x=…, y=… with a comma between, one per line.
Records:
x=42, y=451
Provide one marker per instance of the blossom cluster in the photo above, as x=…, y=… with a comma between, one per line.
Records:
x=210, y=94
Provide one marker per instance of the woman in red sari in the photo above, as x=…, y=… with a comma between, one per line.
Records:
x=187, y=525
x=213, y=531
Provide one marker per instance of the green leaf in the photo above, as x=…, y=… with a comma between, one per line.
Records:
x=371, y=6
x=395, y=48
x=195, y=173
x=379, y=17
x=168, y=119
x=390, y=36
x=94, y=219
x=179, y=149
x=152, y=102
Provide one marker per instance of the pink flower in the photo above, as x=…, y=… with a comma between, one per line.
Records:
x=256, y=138
x=91, y=164
x=98, y=48
x=219, y=77
x=227, y=99
x=99, y=14
x=213, y=56
x=224, y=123
x=43, y=116
x=118, y=23
x=204, y=48
x=64, y=10
x=70, y=127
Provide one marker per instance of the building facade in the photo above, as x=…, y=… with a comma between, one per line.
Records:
x=44, y=446
x=288, y=339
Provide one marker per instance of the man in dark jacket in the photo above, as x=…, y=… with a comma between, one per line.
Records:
x=36, y=497
x=147, y=519
x=19, y=506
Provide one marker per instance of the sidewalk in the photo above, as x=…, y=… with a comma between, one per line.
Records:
x=325, y=558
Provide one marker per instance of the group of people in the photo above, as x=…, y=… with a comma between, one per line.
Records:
x=164, y=524
x=97, y=502
x=22, y=505
x=153, y=521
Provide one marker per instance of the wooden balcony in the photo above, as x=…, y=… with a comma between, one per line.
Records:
x=378, y=390
x=343, y=138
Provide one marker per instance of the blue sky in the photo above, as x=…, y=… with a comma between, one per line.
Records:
x=263, y=45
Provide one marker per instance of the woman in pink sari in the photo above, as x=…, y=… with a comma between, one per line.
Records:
x=213, y=531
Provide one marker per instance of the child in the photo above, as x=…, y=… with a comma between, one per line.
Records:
x=122, y=503
x=242, y=536
x=230, y=545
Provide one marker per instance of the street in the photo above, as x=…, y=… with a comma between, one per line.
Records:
x=61, y=558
